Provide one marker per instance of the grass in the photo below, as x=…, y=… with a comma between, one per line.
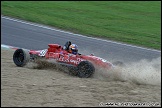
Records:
x=132, y=22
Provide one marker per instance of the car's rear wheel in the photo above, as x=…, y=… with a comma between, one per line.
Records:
x=21, y=57
x=85, y=69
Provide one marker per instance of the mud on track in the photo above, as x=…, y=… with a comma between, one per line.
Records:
x=22, y=86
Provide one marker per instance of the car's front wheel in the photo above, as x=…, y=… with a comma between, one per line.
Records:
x=85, y=69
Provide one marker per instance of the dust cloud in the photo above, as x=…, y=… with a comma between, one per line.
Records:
x=142, y=72
x=49, y=64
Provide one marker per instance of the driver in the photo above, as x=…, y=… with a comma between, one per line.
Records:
x=71, y=48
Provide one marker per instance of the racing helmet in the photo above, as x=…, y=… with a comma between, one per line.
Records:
x=73, y=48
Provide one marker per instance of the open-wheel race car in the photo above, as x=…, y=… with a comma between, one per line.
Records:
x=80, y=65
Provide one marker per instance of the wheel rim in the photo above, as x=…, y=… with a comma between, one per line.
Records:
x=19, y=57
x=85, y=72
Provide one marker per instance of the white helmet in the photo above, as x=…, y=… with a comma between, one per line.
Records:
x=73, y=48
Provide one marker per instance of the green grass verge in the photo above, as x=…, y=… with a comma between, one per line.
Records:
x=132, y=22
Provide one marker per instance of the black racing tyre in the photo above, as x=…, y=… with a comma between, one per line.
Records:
x=21, y=57
x=85, y=69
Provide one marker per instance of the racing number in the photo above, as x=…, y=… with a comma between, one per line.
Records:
x=43, y=52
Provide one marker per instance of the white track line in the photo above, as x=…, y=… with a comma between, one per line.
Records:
x=10, y=47
x=49, y=28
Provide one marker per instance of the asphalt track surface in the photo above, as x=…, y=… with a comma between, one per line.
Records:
x=29, y=35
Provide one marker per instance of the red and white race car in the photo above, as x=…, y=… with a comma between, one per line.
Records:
x=80, y=65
